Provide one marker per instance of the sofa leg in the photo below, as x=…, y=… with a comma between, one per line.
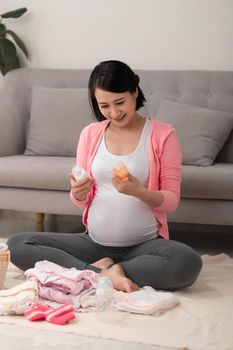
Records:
x=40, y=218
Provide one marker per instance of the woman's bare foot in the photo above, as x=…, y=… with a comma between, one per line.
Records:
x=103, y=263
x=119, y=280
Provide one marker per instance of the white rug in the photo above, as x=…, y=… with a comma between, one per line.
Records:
x=202, y=321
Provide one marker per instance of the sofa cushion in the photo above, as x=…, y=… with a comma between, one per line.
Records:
x=214, y=182
x=56, y=120
x=201, y=131
x=12, y=133
x=36, y=172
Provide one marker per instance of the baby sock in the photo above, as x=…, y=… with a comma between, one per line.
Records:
x=61, y=315
x=37, y=312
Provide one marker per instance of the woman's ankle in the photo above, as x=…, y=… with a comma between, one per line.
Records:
x=104, y=263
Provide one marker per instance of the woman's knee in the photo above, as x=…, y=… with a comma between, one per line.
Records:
x=14, y=241
x=187, y=268
x=16, y=246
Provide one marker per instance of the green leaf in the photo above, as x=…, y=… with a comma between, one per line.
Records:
x=2, y=31
x=14, y=14
x=8, y=56
x=5, y=69
x=2, y=68
x=18, y=42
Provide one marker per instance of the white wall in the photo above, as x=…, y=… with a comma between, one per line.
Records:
x=147, y=34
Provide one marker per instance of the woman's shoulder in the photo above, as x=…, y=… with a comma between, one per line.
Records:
x=161, y=132
x=159, y=125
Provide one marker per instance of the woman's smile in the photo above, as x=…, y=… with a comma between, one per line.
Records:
x=119, y=119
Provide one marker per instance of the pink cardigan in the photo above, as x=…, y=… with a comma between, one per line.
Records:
x=165, y=167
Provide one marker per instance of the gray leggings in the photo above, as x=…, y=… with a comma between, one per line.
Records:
x=160, y=263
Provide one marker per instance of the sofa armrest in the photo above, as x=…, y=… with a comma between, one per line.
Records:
x=12, y=126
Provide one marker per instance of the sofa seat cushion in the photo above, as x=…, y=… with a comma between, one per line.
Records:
x=51, y=173
x=214, y=182
x=37, y=172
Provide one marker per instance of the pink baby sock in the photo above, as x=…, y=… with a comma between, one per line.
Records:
x=37, y=312
x=61, y=315
x=62, y=319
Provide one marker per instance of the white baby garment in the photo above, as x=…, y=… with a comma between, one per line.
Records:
x=145, y=302
x=16, y=300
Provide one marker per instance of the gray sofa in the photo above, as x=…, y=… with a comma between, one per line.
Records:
x=42, y=112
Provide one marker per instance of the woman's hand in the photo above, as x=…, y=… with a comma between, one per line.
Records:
x=81, y=188
x=132, y=186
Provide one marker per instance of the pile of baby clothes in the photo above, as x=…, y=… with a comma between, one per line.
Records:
x=59, y=285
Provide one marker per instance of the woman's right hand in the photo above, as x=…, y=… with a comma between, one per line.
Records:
x=81, y=188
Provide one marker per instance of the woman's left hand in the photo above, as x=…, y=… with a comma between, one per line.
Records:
x=131, y=187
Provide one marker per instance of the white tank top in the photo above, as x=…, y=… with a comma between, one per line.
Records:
x=116, y=219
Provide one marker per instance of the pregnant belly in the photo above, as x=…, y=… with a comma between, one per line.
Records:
x=120, y=220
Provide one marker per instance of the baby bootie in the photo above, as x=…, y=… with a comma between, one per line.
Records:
x=37, y=312
x=61, y=315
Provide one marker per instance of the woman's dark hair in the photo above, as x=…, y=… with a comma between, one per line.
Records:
x=113, y=76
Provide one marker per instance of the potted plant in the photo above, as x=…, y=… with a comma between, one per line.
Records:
x=8, y=55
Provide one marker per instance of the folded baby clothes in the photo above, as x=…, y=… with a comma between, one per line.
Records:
x=17, y=300
x=59, y=296
x=48, y=272
x=62, y=285
x=145, y=302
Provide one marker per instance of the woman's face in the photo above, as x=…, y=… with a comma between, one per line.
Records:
x=119, y=108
